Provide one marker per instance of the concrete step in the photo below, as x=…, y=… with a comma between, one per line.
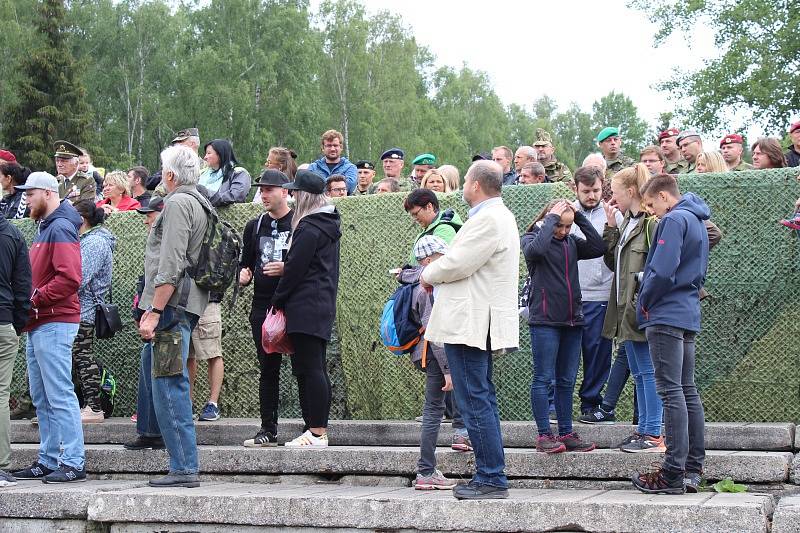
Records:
x=787, y=515
x=743, y=466
x=131, y=507
x=233, y=431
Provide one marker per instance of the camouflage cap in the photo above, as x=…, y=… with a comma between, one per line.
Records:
x=542, y=138
x=185, y=134
x=66, y=150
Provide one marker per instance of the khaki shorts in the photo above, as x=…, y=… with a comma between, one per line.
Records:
x=207, y=335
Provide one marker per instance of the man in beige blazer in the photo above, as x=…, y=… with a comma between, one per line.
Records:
x=475, y=313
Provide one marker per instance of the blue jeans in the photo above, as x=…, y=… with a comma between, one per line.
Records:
x=556, y=355
x=673, y=353
x=596, y=351
x=650, y=408
x=49, y=357
x=471, y=372
x=170, y=402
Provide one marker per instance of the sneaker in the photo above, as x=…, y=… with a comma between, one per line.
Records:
x=262, y=439
x=647, y=444
x=134, y=417
x=598, y=416
x=629, y=440
x=90, y=416
x=145, y=443
x=189, y=481
x=692, y=481
x=659, y=482
x=22, y=413
x=461, y=443
x=35, y=471
x=435, y=481
x=35, y=421
x=308, y=440
x=792, y=223
x=210, y=413
x=573, y=443
x=7, y=480
x=65, y=474
x=445, y=420
x=473, y=491
x=549, y=444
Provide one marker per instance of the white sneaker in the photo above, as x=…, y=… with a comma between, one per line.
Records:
x=307, y=440
x=90, y=416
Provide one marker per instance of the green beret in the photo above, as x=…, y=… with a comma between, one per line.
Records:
x=424, y=159
x=605, y=133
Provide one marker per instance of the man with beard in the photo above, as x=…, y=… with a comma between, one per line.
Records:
x=55, y=312
x=332, y=162
x=545, y=153
x=595, y=281
x=674, y=161
x=73, y=184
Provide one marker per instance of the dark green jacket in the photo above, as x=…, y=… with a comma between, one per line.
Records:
x=620, y=321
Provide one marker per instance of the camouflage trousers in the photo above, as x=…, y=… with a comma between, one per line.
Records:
x=85, y=370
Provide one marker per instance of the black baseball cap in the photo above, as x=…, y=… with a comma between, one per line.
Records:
x=306, y=181
x=272, y=178
x=156, y=205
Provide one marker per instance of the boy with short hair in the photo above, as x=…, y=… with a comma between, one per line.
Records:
x=669, y=311
x=431, y=359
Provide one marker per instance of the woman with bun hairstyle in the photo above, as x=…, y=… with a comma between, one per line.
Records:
x=97, y=245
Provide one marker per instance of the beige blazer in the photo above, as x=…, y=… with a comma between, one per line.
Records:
x=476, y=283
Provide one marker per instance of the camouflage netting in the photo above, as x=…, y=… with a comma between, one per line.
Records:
x=748, y=363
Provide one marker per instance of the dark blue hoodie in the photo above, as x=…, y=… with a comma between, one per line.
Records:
x=676, y=266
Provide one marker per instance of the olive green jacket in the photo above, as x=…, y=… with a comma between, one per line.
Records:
x=620, y=321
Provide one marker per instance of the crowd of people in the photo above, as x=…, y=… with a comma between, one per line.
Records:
x=623, y=264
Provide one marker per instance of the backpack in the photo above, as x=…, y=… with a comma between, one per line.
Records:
x=218, y=263
x=400, y=331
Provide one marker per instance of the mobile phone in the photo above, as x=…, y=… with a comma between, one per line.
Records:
x=394, y=271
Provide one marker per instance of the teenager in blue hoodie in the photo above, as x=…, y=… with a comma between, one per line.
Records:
x=669, y=312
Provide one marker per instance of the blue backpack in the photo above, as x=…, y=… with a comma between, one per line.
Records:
x=400, y=331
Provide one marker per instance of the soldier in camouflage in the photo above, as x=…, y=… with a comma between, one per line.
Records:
x=545, y=153
x=674, y=161
x=393, y=160
x=610, y=144
x=73, y=184
x=732, y=146
x=691, y=145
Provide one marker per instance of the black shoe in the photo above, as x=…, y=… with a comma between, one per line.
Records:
x=659, y=481
x=176, y=480
x=65, y=474
x=262, y=439
x=145, y=443
x=473, y=491
x=598, y=416
x=35, y=471
x=22, y=413
x=693, y=482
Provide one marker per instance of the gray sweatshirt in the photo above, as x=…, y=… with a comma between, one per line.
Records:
x=593, y=274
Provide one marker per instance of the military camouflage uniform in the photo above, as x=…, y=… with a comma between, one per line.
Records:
x=557, y=172
x=407, y=184
x=742, y=166
x=84, y=366
x=678, y=167
x=612, y=167
x=81, y=187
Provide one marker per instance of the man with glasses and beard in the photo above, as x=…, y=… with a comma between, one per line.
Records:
x=266, y=242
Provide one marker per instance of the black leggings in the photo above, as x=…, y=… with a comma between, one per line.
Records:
x=309, y=366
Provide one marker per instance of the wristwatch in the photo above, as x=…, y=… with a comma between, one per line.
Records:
x=155, y=310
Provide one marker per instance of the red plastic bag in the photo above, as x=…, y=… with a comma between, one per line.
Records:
x=273, y=334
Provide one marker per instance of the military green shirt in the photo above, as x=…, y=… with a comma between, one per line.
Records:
x=742, y=166
x=556, y=172
x=678, y=167
x=690, y=168
x=615, y=165
x=357, y=192
x=81, y=186
x=407, y=184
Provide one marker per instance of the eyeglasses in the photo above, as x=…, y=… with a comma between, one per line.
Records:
x=414, y=213
x=339, y=189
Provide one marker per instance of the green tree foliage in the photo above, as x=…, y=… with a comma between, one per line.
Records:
x=51, y=100
x=759, y=65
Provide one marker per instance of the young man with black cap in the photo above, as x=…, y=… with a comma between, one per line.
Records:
x=366, y=174
x=266, y=242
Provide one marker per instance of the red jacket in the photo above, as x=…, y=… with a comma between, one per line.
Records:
x=56, y=268
x=126, y=203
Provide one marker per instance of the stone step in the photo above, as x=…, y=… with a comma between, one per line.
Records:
x=742, y=466
x=131, y=507
x=233, y=431
x=787, y=515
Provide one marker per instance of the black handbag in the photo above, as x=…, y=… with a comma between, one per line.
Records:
x=106, y=319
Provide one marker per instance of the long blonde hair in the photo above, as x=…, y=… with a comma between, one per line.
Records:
x=451, y=176
x=713, y=162
x=306, y=203
x=435, y=172
x=633, y=178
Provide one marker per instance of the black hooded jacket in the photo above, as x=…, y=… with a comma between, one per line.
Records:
x=15, y=277
x=307, y=289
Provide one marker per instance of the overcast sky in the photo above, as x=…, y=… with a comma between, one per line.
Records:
x=574, y=51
